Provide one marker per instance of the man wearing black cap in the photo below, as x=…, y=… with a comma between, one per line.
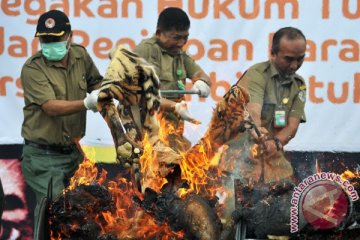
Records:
x=56, y=81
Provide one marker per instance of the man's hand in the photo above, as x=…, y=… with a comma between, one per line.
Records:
x=201, y=87
x=182, y=111
x=91, y=101
x=264, y=134
x=271, y=148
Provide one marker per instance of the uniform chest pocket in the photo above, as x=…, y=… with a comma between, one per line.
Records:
x=82, y=88
x=60, y=91
x=167, y=76
x=82, y=85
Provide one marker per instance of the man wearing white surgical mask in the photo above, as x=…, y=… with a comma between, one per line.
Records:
x=59, y=83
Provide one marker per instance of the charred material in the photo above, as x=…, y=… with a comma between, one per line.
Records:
x=194, y=215
x=73, y=214
x=265, y=208
x=80, y=214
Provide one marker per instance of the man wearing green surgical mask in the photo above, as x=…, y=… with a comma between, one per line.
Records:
x=54, y=51
x=60, y=83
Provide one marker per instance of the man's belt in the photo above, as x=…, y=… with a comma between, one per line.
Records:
x=54, y=148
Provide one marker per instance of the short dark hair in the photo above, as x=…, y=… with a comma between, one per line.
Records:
x=289, y=32
x=173, y=17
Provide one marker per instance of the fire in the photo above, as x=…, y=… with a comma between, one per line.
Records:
x=85, y=175
x=317, y=167
x=128, y=221
x=151, y=168
x=254, y=153
x=347, y=174
x=200, y=169
x=195, y=164
x=166, y=129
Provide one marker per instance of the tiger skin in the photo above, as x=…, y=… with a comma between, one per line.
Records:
x=229, y=114
x=133, y=83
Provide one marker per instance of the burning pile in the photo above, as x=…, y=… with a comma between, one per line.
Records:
x=96, y=208
x=262, y=204
x=115, y=210
x=176, y=205
x=162, y=194
x=78, y=213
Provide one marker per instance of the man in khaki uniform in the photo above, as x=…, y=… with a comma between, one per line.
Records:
x=55, y=81
x=173, y=66
x=276, y=104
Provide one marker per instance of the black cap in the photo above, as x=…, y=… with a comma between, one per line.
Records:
x=53, y=23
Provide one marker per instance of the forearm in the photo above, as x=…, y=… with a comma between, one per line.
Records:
x=62, y=107
x=289, y=132
x=254, y=110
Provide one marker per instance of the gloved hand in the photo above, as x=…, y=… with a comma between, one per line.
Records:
x=202, y=88
x=91, y=100
x=182, y=111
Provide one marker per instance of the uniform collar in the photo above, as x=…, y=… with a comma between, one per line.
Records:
x=154, y=40
x=276, y=75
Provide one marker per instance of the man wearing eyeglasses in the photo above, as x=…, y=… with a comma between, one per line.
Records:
x=173, y=66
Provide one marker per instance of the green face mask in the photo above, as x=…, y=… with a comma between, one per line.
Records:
x=54, y=51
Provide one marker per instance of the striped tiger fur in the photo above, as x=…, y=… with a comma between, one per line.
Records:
x=134, y=84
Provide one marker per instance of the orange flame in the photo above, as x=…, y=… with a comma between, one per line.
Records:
x=129, y=221
x=317, y=167
x=166, y=128
x=254, y=151
x=85, y=175
x=347, y=174
x=150, y=168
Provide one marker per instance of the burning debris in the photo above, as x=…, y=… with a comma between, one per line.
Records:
x=97, y=208
x=78, y=214
x=118, y=212
x=264, y=208
x=162, y=194
x=167, y=209
x=193, y=214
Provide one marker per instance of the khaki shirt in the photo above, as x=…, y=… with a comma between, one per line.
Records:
x=266, y=87
x=43, y=80
x=170, y=69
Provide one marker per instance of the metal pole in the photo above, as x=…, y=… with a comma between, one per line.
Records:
x=171, y=92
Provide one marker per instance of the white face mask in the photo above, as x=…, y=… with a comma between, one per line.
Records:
x=55, y=51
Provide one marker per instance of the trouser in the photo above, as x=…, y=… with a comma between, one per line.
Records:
x=39, y=166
